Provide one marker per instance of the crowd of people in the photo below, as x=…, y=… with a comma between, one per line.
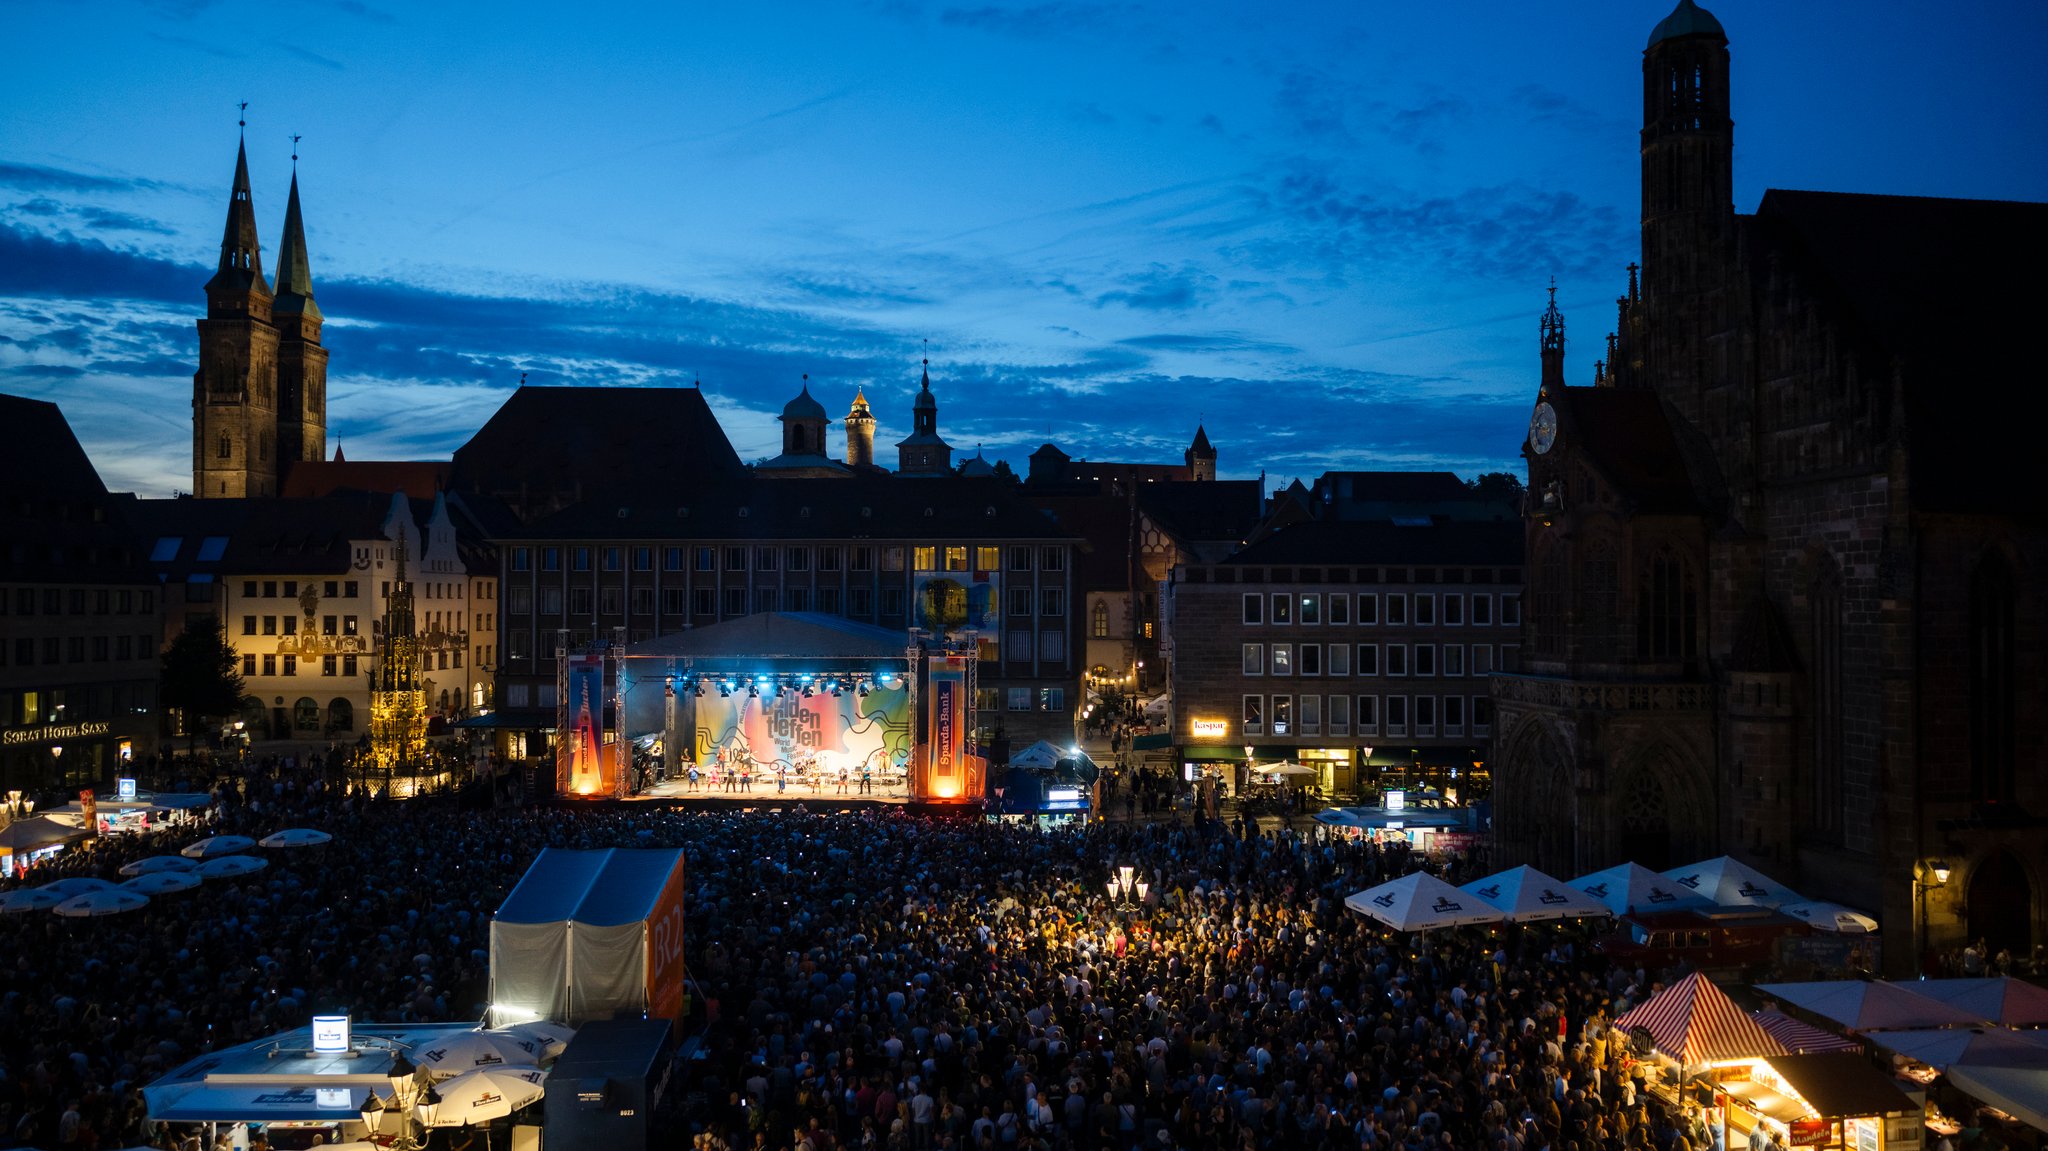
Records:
x=871, y=980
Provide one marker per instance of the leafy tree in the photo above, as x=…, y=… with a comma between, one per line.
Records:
x=201, y=676
x=1005, y=472
x=1503, y=486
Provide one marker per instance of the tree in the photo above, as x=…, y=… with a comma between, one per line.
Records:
x=201, y=676
x=1503, y=486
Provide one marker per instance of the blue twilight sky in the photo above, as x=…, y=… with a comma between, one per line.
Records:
x=1324, y=228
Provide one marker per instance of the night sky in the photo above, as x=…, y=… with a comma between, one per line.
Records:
x=1325, y=229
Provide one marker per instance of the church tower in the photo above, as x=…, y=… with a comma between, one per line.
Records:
x=860, y=433
x=1551, y=345
x=924, y=453
x=1200, y=456
x=234, y=392
x=1688, y=208
x=301, y=361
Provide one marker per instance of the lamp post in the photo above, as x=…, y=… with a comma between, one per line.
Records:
x=1126, y=889
x=1926, y=876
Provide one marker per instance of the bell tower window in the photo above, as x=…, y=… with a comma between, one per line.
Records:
x=225, y=450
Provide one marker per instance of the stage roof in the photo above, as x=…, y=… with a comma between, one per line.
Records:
x=778, y=635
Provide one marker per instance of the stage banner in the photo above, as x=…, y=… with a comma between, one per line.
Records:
x=790, y=731
x=587, y=766
x=665, y=950
x=946, y=739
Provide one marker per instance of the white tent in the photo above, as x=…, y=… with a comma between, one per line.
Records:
x=37, y=833
x=590, y=934
x=1526, y=895
x=1630, y=887
x=1728, y=882
x=1419, y=901
x=1041, y=756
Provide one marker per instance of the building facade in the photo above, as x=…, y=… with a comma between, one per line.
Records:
x=80, y=616
x=1354, y=635
x=1786, y=593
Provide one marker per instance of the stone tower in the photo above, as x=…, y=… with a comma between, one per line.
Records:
x=860, y=432
x=301, y=361
x=1200, y=456
x=234, y=392
x=1688, y=206
x=803, y=424
x=923, y=453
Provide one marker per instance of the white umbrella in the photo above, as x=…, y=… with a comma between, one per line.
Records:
x=41, y=831
x=1631, y=887
x=78, y=885
x=162, y=882
x=1831, y=917
x=28, y=899
x=476, y=1050
x=481, y=1096
x=218, y=845
x=296, y=837
x=1286, y=770
x=553, y=1038
x=1419, y=901
x=230, y=867
x=1527, y=895
x=97, y=903
x=1728, y=882
x=157, y=863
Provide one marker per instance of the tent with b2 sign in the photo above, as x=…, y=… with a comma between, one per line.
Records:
x=590, y=935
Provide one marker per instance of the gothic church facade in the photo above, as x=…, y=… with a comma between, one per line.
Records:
x=1786, y=594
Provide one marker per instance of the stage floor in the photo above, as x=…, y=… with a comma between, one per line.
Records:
x=797, y=791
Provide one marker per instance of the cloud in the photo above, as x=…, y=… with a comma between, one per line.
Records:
x=98, y=219
x=1212, y=342
x=1508, y=232
x=198, y=46
x=36, y=178
x=364, y=12
x=1159, y=288
x=309, y=56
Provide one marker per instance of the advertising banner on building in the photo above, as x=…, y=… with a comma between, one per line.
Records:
x=946, y=735
x=585, y=767
x=954, y=601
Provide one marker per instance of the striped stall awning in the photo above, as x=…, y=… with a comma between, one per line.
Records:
x=1802, y=1038
x=1693, y=1022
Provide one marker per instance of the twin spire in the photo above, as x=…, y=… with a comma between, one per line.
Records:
x=241, y=253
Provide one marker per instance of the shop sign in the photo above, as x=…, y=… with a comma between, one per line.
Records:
x=330, y=1033
x=1397, y=800
x=1210, y=728
x=1810, y=1132
x=124, y=790
x=54, y=732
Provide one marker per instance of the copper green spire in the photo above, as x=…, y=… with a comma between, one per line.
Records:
x=294, y=274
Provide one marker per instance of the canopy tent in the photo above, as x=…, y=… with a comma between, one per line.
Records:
x=1802, y=1038
x=1728, y=882
x=281, y=1078
x=2021, y=1092
x=1944, y=1047
x=1419, y=901
x=1868, y=1006
x=1628, y=888
x=589, y=934
x=2001, y=999
x=38, y=833
x=1694, y=1022
x=1824, y=916
x=1527, y=895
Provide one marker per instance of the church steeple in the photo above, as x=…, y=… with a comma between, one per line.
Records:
x=1551, y=343
x=234, y=391
x=924, y=453
x=1201, y=456
x=301, y=361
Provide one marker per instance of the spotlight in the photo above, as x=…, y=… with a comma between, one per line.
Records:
x=807, y=691
x=752, y=691
x=700, y=689
x=838, y=688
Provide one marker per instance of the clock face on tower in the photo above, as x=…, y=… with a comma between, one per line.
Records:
x=1543, y=427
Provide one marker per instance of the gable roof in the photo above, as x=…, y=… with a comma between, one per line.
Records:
x=547, y=446
x=1626, y=434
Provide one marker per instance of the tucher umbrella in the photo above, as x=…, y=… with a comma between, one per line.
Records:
x=481, y=1096
x=552, y=1038
x=155, y=863
x=216, y=846
x=296, y=837
x=162, y=883
x=1419, y=901
x=92, y=904
x=77, y=885
x=28, y=899
x=230, y=867
x=476, y=1050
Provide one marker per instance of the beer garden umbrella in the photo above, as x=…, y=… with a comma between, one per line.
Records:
x=93, y=904
x=157, y=863
x=216, y=846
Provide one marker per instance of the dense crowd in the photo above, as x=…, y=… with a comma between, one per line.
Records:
x=874, y=980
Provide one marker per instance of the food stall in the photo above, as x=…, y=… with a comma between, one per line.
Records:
x=1828, y=1102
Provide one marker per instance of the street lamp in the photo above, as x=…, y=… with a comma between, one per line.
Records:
x=1126, y=889
x=1927, y=876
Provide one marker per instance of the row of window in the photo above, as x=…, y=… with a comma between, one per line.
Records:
x=344, y=665
x=77, y=649
x=1402, y=609
x=704, y=601
x=77, y=601
x=1014, y=698
x=1393, y=659
x=289, y=625
x=704, y=558
x=289, y=589
x=1366, y=715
